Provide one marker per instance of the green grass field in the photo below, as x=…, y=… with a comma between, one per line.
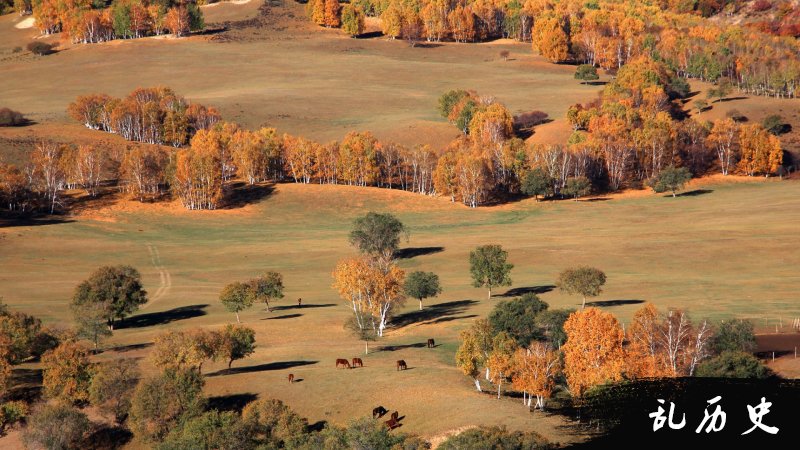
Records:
x=722, y=253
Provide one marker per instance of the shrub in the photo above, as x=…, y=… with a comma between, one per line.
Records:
x=733, y=365
x=735, y=336
x=495, y=437
x=56, y=426
x=736, y=115
x=161, y=402
x=40, y=48
x=11, y=118
x=775, y=124
x=11, y=413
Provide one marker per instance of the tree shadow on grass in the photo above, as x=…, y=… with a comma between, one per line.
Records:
x=693, y=193
x=520, y=291
x=242, y=194
x=394, y=348
x=130, y=347
x=8, y=220
x=163, y=317
x=285, y=316
x=606, y=303
x=25, y=385
x=107, y=437
x=310, y=305
x=432, y=313
x=262, y=368
x=413, y=252
x=232, y=402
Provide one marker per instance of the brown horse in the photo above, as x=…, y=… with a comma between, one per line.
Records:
x=357, y=362
x=392, y=424
x=401, y=365
x=291, y=378
x=431, y=343
x=343, y=363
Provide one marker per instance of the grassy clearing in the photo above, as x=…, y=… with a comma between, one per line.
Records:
x=721, y=253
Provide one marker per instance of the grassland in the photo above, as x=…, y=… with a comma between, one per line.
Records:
x=722, y=252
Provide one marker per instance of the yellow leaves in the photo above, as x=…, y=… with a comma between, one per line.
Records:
x=535, y=369
x=550, y=39
x=761, y=151
x=593, y=353
x=369, y=288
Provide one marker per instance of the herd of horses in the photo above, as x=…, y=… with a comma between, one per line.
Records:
x=380, y=411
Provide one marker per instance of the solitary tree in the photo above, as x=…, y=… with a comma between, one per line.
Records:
x=671, y=179
x=238, y=342
x=267, y=288
x=489, y=267
x=583, y=281
x=117, y=288
x=537, y=182
x=586, y=72
x=721, y=91
x=422, y=285
x=377, y=235
x=237, y=297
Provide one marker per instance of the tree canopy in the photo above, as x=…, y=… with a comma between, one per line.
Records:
x=422, y=285
x=489, y=267
x=584, y=281
x=117, y=289
x=377, y=234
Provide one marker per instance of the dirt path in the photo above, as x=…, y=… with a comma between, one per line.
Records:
x=165, y=279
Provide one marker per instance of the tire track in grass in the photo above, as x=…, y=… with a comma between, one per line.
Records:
x=165, y=280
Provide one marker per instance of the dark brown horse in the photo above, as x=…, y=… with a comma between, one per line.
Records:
x=343, y=363
x=401, y=365
x=431, y=343
x=291, y=378
x=378, y=412
x=392, y=424
x=357, y=362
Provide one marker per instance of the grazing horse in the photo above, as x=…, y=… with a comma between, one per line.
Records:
x=378, y=412
x=291, y=378
x=431, y=343
x=392, y=424
x=401, y=365
x=357, y=362
x=343, y=363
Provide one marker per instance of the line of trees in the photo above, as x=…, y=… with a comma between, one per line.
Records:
x=602, y=33
x=87, y=21
x=625, y=138
x=537, y=351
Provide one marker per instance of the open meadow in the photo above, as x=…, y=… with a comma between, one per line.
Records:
x=724, y=248
x=720, y=252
